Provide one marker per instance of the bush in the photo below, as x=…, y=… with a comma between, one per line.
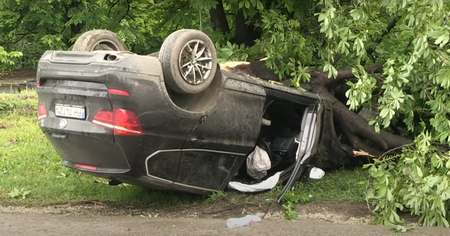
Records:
x=6, y=59
x=416, y=180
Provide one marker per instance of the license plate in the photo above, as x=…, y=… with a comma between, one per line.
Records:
x=70, y=111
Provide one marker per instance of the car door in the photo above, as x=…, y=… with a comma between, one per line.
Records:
x=220, y=141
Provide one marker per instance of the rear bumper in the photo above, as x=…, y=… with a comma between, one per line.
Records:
x=100, y=155
x=104, y=172
x=84, y=80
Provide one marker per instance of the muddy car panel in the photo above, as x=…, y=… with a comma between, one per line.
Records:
x=195, y=143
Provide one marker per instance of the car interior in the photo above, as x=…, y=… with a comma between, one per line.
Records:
x=280, y=126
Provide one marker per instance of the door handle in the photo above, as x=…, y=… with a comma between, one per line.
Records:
x=196, y=140
x=60, y=136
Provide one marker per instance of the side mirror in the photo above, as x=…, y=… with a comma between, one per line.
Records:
x=316, y=173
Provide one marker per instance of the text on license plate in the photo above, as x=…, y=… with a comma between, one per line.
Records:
x=70, y=111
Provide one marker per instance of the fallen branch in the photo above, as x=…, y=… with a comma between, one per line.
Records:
x=348, y=74
x=393, y=150
x=94, y=202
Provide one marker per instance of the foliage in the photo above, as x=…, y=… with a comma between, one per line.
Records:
x=215, y=197
x=35, y=26
x=409, y=39
x=408, y=181
x=7, y=59
x=231, y=52
x=286, y=46
x=15, y=193
x=289, y=202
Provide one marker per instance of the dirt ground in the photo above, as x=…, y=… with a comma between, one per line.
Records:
x=196, y=219
x=19, y=73
x=347, y=213
x=18, y=76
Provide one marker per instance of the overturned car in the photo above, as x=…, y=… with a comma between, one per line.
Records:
x=174, y=120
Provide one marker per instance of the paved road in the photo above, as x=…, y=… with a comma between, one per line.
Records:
x=13, y=224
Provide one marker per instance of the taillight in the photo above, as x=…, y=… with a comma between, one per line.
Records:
x=86, y=167
x=118, y=92
x=42, y=112
x=124, y=122
x=104, y=118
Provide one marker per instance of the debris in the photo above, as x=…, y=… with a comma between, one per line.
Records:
x=93, y=202
x=362, y=153
x=267, y=184
x=231, y=64
x=258, y=163
x=243, y=221
x=316, y=173
x=401, y=229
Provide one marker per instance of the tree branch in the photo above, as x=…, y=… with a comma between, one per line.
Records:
x=388, y=29
x=393, y=150
x=355, y=128
x=336, y=59
x=22, y=36
x=113, y=5
x=347, y=73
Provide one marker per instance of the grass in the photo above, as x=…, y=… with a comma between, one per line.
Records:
x=31, y=172
x=337, y=186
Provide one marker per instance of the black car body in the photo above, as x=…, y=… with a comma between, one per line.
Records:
x=110, y=114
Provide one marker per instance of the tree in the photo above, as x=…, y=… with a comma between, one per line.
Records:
x=388, y=59
x=35, y=26
x=391, y=57
x=337, y=52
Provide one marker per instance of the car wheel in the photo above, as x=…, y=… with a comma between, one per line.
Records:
x=94, y=40
x=189, y=61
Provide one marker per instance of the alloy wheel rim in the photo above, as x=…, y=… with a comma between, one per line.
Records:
x=195, y=62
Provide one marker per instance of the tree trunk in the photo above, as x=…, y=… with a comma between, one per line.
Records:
x=243, y=33
x=354, y=132
x=218, y=18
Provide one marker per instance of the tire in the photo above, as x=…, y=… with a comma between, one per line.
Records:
x=94, y=40
x=181, y=68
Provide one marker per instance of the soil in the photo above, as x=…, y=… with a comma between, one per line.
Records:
x=90, y=218
x=348, y=213
x=19, y=73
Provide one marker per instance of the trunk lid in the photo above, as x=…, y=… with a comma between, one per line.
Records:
x=72, y=89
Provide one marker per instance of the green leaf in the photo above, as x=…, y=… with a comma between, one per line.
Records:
x=321, y=17
x=442, y=39
x=259, y=5
x=443, y=77
x=247, y=4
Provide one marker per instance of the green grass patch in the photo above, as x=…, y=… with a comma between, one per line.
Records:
x=31, y=172
x=342, y=185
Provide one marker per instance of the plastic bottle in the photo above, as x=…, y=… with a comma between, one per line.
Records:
x=243, y=221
